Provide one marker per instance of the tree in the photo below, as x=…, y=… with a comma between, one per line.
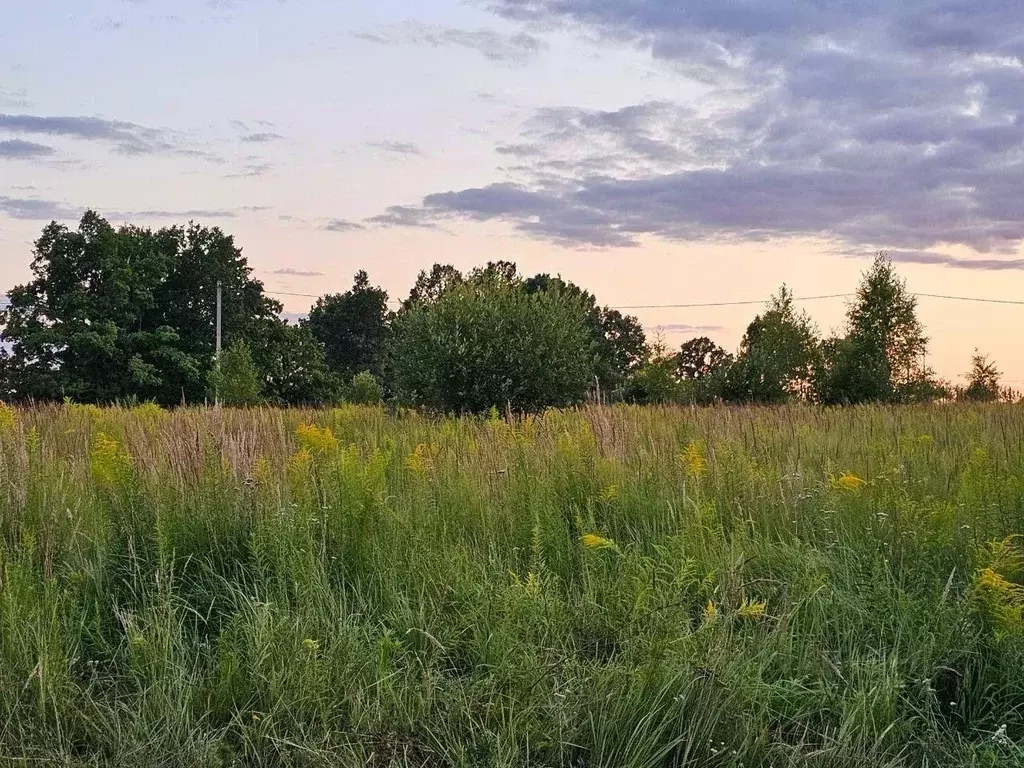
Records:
x=430, y=285
x=618, y=344
x=295, y=370
x=234, y=380
x=982, y=381
x=116, y=314
x=881, y=357
x=491, y=343
x=700, y=357
x=353, y=327
x=777, y=355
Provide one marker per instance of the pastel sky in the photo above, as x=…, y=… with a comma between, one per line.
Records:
x=653, y=151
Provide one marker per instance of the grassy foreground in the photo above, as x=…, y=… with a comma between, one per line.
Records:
x=610, y=587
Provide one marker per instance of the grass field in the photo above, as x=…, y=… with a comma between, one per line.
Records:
x=615, y=587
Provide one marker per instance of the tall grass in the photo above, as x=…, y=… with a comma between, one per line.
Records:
x=617, y=587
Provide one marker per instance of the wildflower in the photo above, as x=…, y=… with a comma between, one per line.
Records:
x=111, y=464
x=316, y=439
x=692, y=459
x=752, y=610
x=8, y=418
x=311, y=645
x=421, y=460
x=849, y=482
x=710, y=613
x=593, y=541
x=1000, y=737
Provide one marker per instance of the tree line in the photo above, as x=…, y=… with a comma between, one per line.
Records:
x=117, y=315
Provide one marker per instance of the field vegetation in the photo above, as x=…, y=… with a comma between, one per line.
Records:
x=622, y=587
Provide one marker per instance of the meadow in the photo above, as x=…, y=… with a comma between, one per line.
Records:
x=619, y=587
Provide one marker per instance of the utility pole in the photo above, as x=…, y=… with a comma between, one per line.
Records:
x=216, y=362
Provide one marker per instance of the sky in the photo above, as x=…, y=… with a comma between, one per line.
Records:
x=653, y=151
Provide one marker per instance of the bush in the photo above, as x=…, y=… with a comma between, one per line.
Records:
x=365, y=389
x=234, y=380
x=490, y=343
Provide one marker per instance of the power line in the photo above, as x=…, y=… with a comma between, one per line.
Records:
x=748, y=302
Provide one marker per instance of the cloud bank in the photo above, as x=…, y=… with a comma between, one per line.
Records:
x=896, y=125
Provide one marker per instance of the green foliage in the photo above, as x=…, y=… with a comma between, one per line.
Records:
x=365, y=389
x=777, y=355
x=618, y=343
x=490, y=343
x=982, y=381
x=235, y=381
x=294, y=366
x=352, y=327
x=881, y=357
x=608, y=586
x=119, y=314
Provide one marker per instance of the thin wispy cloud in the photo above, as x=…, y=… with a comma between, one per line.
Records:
x=37, y=210
x=262, y=138
x=340, y=225
x=516, y=49
x=397, y=147
x=124, y=137
x=894, y=126
x=17, y=149
x=292, y=272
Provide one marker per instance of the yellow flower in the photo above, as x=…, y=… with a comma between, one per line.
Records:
x=111, y=464
x=849, y=482
x=312, y=646
x=692, y=459
x=8, y=418
x=593, y=541
x=710, y=613
x=752, y=610
x=315, y=439
x=421, y=460
x=989, y=579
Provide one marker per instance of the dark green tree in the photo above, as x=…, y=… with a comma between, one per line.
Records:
x=777, y=355
x=352, y=327
x=881, y=357
x=430, y=285
x=982, y=381
x=618, y=344
x=491, y=343
x=128, y=313
x=295, y=369
x=700, y=357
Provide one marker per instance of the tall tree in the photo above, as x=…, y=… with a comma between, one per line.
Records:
x=353, y=327
x=777, y=354
x=128, y=313
x=618, y=344
x=430, y=285
x=881, y=357
x=700, y=357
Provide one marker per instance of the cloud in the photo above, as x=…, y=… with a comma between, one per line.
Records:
x=261, y=138
x=340, y=225
x=194, y=213
x=404, y=216
x=930, y=257
x=37, y=210
x=126, y=138
x=514, y=49
x=895, y=126
x=16, y=98
x=397, y=147
x=291, y=272
x=16, y=149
